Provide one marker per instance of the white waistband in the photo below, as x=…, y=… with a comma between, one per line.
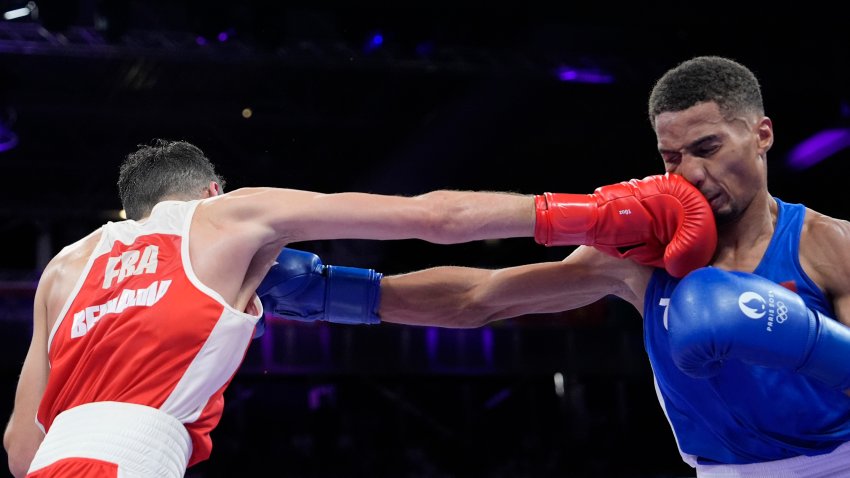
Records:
x=142, y=441
x=835, y=464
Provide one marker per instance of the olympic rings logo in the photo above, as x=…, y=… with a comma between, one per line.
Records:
x=781, y=312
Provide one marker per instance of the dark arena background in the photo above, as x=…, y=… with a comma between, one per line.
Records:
x=397, y=100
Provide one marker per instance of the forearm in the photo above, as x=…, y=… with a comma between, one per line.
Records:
x=463, y=216
x=440, y=296
x=462, y=297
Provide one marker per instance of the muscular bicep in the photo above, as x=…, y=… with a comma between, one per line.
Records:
x=469, y=297
x=825, y=256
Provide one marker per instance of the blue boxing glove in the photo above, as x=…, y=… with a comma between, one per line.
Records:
x=299, y=287
x=716, y=315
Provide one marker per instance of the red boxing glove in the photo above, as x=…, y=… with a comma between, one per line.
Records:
x=660, y=221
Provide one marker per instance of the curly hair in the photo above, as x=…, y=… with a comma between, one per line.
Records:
x=163, y=169
x=729, y=84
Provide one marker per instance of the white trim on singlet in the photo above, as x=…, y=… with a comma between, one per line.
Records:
x=197, y=379
x=687, y=458
x=190, y=271
x=835, y=464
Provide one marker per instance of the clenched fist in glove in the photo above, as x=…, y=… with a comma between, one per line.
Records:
x=299, y=287
x=718, y=315
x=660, y=221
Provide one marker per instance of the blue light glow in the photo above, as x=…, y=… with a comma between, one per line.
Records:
x=579, y=75
x=818, y=147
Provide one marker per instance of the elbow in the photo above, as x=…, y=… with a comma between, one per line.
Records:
x=19, y=461
x=18, y=468
x=19, y=455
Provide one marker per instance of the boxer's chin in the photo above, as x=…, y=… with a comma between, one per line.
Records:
x=726, y=214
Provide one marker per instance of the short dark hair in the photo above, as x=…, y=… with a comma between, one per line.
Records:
x=162, y=169
x=729, y=84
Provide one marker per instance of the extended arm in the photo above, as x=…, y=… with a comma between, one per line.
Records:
x=441, y=216
x=461, y=297
x=659, y=220
x=22, y=437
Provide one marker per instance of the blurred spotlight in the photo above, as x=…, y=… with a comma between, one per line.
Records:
x=559, y=384
x=247, y=113
x=225, y=35
x=29, y=9
x=122, y=214
x=818, y=147
x=579, y=75
x=373, y=42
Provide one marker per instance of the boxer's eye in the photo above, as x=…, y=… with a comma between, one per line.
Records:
x=706, y=151
x=671, y=159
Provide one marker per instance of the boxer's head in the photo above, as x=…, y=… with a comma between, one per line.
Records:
x=708, y=117
x=165, y=170
x=727, y=83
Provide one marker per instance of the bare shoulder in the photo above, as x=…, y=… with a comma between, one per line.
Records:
x=234, y=221
x=825, y=251
x=62, y=272
x=244, y=212
x=75, y=254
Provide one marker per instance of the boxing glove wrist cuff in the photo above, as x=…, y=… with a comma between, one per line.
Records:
x=828, y=359
x=564, y=219
x=352, y=295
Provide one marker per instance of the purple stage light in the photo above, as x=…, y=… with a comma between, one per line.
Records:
x=8, y=138
x=578, y=75
x=431, y=339
x=818, y=147
x=201, y=41
x=487, y=344
x=222, y=37
x=319, y=395
x=497, y=398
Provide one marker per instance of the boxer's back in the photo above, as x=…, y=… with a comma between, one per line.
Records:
x=136, y=325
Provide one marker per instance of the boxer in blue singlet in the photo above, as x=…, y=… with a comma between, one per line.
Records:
x=739, y=414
